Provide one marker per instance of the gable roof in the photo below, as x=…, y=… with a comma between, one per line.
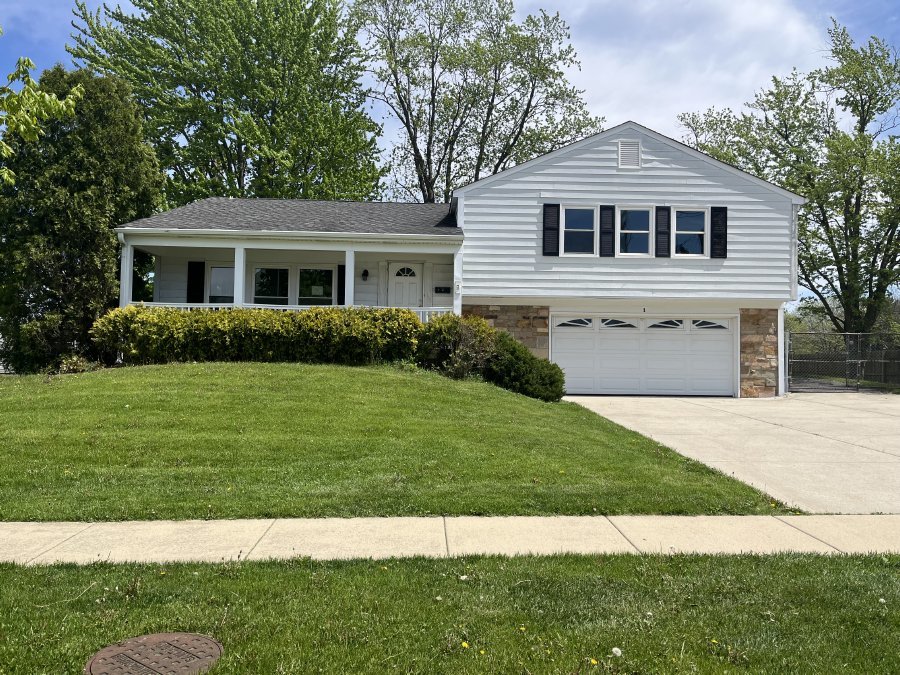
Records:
x=224, y=214
x=634, y=126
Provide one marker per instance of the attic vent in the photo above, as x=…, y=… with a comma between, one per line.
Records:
x=630, y=154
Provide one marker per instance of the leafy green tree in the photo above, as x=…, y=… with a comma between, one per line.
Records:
x=473, y=90
x=828, y=135
x=83, y=176
x=23, y=109
x=242, y=98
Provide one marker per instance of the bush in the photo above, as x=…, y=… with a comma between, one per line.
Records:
x=456, y=346
x=75, y=363
x=513, y=367
x=142, y=335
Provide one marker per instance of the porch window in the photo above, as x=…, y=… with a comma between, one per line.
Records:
x=221, y=285
x=270, y=286
x=316, y=287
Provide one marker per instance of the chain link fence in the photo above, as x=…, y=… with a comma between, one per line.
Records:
x=843, y=361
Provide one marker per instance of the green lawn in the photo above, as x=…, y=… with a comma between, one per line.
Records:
x=774, y=614
x=265, y=440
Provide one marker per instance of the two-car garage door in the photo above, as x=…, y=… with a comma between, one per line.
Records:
x=612, y=354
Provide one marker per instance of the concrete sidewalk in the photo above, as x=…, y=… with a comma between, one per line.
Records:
x=437, y=537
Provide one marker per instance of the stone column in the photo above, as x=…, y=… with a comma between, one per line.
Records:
x=759, y=353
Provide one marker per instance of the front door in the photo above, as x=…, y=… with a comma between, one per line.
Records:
x=405, y=285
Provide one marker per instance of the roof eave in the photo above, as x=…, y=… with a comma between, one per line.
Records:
x=288, y=234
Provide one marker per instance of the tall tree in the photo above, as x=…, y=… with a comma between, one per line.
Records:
x=242, y=98
x=58, y=253
x=828, y=135
x=473, y=90
x=24, y=107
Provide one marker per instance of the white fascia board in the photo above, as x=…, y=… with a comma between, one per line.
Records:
x=275, y=234
x=795, y=198
x=152, y=237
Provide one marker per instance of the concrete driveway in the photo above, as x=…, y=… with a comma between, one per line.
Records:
x=822, y=453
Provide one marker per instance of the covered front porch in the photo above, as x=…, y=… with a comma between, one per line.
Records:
x=296, y=273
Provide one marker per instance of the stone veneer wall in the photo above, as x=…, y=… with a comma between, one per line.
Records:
x=530, y=325
x=759, y=353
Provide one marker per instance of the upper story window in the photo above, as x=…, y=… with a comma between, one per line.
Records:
x=634, y=231
x=629, y=154
x=691, y=232
x=579, y=231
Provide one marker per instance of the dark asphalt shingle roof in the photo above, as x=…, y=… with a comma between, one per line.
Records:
x=301, y=215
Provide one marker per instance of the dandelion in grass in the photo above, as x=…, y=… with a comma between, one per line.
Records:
x=616, y=652
x=594, y=662
x=465, y=645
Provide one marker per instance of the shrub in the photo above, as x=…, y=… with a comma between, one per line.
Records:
x=75, y=363
x=513, y=367
x=456, y=346
x=142, y=335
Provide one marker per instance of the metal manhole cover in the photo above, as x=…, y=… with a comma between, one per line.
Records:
x=157, y=654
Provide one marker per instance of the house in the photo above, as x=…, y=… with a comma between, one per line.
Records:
x=639, y=265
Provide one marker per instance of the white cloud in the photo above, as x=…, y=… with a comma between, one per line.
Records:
x=648, y=60
x=35, y=21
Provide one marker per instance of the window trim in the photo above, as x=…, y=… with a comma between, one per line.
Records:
x=269, y=266
x=334, y=283
x=673, y=232
x=650, y=231
x=562, y=230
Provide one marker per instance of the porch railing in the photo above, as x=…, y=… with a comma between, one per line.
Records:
x=424, y=313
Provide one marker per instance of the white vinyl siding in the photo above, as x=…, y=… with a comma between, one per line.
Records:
x=503, y=228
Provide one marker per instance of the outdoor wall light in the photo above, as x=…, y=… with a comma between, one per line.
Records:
x=365, y=275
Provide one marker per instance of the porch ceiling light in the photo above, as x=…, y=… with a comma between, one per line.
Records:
x=365, y=275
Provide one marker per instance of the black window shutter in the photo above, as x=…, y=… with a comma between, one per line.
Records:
x=342, y=284
x=718, y=232
x=551, y=229
x=196, y=280
x=607, y=231
x=663, y=232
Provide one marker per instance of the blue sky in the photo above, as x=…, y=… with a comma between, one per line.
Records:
x=645, y=60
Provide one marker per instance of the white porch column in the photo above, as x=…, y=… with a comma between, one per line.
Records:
x=126, y=273
x=240, y=274
x=349, y=276
x=457, y=281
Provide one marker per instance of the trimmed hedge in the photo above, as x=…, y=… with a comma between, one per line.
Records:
x=143, y=335
x=456, y=346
